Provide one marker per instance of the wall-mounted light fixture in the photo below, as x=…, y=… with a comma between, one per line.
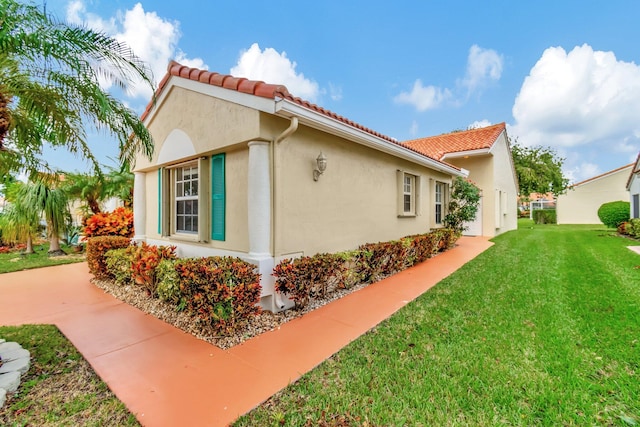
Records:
x=321, y=161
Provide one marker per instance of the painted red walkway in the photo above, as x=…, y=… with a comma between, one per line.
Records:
x=169, y=378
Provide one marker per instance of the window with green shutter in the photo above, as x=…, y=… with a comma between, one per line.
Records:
x=218, y=197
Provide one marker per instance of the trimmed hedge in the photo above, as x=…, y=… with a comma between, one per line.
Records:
x=613, y=214
x=545, y=216
x=219, y=291
x=305, y=278
x=97, y=247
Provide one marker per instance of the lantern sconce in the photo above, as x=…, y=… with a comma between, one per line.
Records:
x=321, y=162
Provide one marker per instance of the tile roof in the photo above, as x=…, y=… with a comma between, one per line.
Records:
x=437, y=147
x=252, y=87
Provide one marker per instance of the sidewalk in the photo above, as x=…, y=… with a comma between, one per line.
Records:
x=169, y=378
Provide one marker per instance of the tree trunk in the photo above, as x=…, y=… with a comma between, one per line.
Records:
x=29, y=248
x=94, y=206
x=54, y=245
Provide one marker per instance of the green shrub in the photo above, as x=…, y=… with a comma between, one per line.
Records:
x=614, y=213
x=308, y=277
x=168, y=281
x=545, y=216
x=219, y=291
x=145, y=259
x=463, y=204
x=118, y=263
x=634, y=228
x=97, y=247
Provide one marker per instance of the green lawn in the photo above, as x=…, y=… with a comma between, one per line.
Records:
x=16, y=261
x=541, y=329
x=60, y=388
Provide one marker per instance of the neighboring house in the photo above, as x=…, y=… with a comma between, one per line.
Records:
x=633, y=187
x=486, y=154
x=238, y=171
x=580, y=203
x=79, y=209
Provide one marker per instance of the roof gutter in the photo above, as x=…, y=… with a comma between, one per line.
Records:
x=313, y=119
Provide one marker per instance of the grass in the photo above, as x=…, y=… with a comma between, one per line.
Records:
x=16, y=261
x=60, y=388
x=541, y=329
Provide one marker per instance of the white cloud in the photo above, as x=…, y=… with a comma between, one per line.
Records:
x=423, y=98
x=582, y=171
x=152, y=38
x=479, y=124
x=483, y=65
x=273, y=67
x=579, y=98
x=414, y=128
x=335, y=92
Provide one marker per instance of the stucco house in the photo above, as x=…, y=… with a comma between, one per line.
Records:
x=580, y=203
x=242, y=168
x=486, y=154
x=633, y=187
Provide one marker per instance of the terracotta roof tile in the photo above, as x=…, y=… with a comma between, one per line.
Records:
x=438, y=146
x=267, y=90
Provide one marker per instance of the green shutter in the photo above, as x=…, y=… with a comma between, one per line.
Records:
x=217, y=197
x=160, y=173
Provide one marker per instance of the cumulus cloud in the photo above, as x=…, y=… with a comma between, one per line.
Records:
x=274, y=67
x=422, y=97
x=483, y=66
x=152, y=38
x=579, y=98
x=581, y=171
x=479, y=124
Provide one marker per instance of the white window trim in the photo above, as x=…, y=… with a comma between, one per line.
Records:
x=202, y=235
x=414, y=193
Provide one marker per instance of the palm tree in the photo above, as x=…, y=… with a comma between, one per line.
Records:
x=50, y=91
x=44, y=197
x=90, y=189
x=19, y=222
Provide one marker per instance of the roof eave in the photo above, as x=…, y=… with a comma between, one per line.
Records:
x=289, y=109
x=467, y=153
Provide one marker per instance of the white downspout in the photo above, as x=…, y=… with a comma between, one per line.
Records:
x=293, y=126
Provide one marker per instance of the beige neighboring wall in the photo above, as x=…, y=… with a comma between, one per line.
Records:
x=505, y=183
x=494, y=175
x=580, y=204
x=355, y=201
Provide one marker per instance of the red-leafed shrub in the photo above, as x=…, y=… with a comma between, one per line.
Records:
x=144, y=261
x=97, y=247
x=308, y=277
x=219, y=291
x=12, y=248
x=116, y=223
x=424, y=246
x=379, y=260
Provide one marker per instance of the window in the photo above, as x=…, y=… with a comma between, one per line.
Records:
x=408, y=194
x=439, y=193
x=186, y=199
x=636, y=206
x=187, y=205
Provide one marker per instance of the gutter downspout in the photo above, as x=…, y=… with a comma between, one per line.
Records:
x=293, y=126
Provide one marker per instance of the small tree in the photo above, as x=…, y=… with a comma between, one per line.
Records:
x=463, y=206
x=539, y=170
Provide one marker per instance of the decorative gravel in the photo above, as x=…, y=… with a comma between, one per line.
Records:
x=256, y=325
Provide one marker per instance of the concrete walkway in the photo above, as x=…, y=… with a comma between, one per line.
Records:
x=169, y=378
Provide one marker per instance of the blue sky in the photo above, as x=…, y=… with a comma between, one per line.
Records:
x=562, y=74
